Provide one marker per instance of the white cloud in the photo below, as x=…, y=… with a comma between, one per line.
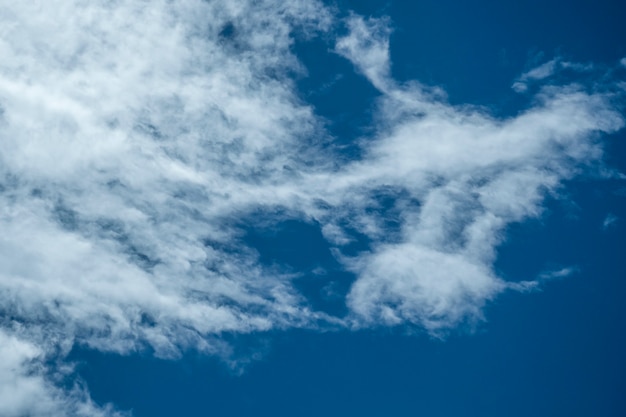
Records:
x=544, y=70
x=367, y=46
x=432, y=288
x=538, y=73
x=473, y=175
x=548, y=70
x=134, y=137
x=558, y=273
x=27, y=389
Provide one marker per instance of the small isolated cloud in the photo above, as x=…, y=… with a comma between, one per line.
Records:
x=609, y=221
x=547, y=70
x=136, y=138
x=544, y=70
x=558, y=273
x=541, y=72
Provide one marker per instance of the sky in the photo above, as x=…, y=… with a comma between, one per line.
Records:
x=302, y=207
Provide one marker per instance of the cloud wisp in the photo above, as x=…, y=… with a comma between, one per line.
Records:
x=135, y=136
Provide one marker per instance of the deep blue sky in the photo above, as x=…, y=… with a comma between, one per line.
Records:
x=557, y=351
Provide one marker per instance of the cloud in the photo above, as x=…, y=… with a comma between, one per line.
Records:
x=542, y=71
x=367, y=46
x=609, y=221
x=27, y=388
x=547, y=70
x=136, y=138
x=558, y=273
x=473, y=175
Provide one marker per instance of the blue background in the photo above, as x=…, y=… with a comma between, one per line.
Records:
x=559, y=351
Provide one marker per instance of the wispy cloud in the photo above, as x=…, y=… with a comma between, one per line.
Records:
x=558, y=273
x=135, y=136
x=367, y=45
x=609, y=221
x=548, y=70
x=28, y=385
x=472, y=175
x=541, y=72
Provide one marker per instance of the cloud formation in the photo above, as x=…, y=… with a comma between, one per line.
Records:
x=136, y=136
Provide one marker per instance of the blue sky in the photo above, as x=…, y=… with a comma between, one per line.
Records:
x=299, y=208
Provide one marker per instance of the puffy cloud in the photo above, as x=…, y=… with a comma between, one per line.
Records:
x=135, y=137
